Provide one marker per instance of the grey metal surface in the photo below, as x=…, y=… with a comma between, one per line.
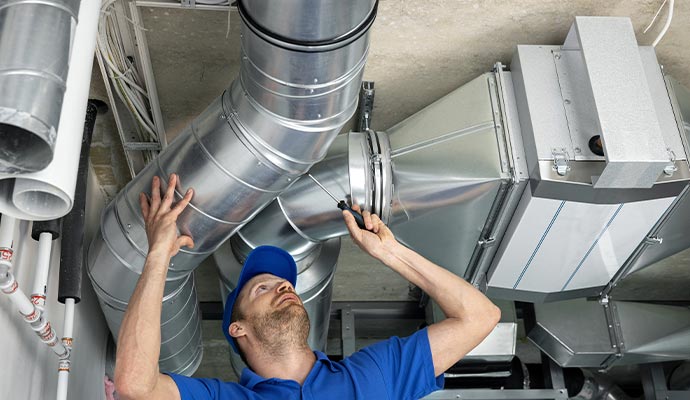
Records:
x=496, y=394
x=555, y=107
x=447, y=171
x=310, y=21
x=624, y=113
x=581, y=333
x=653, y=332
x=35, y=43
x=315, y=271
x=270, y=126
x=573, y=333
x=673, y=231
x=499, y=346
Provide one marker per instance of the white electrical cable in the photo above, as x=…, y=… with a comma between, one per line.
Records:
x=123, y=74
x=669, y=18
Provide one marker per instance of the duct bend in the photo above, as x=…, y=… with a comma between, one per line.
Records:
x=35, y=40
x=296, y=89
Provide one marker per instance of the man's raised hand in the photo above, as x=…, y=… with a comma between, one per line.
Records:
x=160, y=216
x=377, y=240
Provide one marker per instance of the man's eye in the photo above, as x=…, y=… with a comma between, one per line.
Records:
x=261, y=288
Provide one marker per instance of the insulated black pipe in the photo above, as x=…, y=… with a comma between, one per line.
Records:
x=52, y=227
x=72, y=249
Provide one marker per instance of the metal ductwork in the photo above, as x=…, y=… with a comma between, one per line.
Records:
x=35, y=42
x=497, y=182
x=297, y=87
x=581, y=333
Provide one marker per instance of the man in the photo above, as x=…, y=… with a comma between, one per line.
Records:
x=267, y=323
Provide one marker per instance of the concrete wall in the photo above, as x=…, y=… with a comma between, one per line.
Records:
x=29, y=367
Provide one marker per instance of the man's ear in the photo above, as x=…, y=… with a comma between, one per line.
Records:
x=236, y=330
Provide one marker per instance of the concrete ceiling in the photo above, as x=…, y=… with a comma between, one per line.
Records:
x=420, y=50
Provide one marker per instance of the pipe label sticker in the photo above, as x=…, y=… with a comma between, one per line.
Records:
x=6, y=254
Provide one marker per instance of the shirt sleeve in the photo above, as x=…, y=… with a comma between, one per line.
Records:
x=406, y=365
x=206, y=389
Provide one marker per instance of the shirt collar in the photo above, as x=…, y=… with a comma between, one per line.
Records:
x=250, y=379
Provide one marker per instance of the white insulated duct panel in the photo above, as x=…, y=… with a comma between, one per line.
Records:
x=554, y=246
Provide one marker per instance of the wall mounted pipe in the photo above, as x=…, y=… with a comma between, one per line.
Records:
x=35, y=41
x=271, y=125
x=9, y=286
x=44, y=232
x=49, y=193
x=72, y=254
x=64, y=365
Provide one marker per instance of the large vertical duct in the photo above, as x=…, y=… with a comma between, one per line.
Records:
x=298, y=85
x=35, y=42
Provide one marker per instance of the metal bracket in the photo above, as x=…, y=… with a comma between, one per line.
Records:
x=671, y=167
x=614, y=328
x=561, y=161
x=488, y=242
x=653, y=240
x=142, y=146
x=366, y=105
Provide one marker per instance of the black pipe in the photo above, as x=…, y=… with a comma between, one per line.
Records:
x=52, y=227
x=72, y=254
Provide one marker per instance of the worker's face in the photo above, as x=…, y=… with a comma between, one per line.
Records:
x=272, y=311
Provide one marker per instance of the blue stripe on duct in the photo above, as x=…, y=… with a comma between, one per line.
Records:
x=536, y=249
x=596, y=241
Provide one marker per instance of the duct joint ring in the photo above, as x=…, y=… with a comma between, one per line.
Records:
x=307, y=46
x=370, y=170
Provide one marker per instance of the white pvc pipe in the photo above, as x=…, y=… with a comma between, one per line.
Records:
x=63, y=382
x=64, y=366
x=49, y=194
x=38, y=296
x=69, y=318
x=21, y=301
x=6, y=231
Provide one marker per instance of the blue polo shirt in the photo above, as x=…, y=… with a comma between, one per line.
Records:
x=394, y=369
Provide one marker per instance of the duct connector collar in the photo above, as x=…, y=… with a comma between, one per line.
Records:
x=370, y=172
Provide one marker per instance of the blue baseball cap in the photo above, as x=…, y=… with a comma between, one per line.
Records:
x=262, y=260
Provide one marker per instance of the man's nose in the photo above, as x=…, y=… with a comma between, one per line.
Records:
x=284, y=287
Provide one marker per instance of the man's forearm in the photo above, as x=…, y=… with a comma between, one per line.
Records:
x=456, y=297
x=139, y=339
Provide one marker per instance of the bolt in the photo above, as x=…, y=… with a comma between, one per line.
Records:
x=566, y=101
x=557, y=55
x=578, y=150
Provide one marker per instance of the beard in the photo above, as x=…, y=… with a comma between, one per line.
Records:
x=281, y=330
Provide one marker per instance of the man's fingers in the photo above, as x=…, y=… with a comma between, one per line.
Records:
x=376, y=222
x=351, y=224
x=367, y=220
x=144, y=204
x=184, y=240
x=182, y=204
x=155, y=195
x=169, y=192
